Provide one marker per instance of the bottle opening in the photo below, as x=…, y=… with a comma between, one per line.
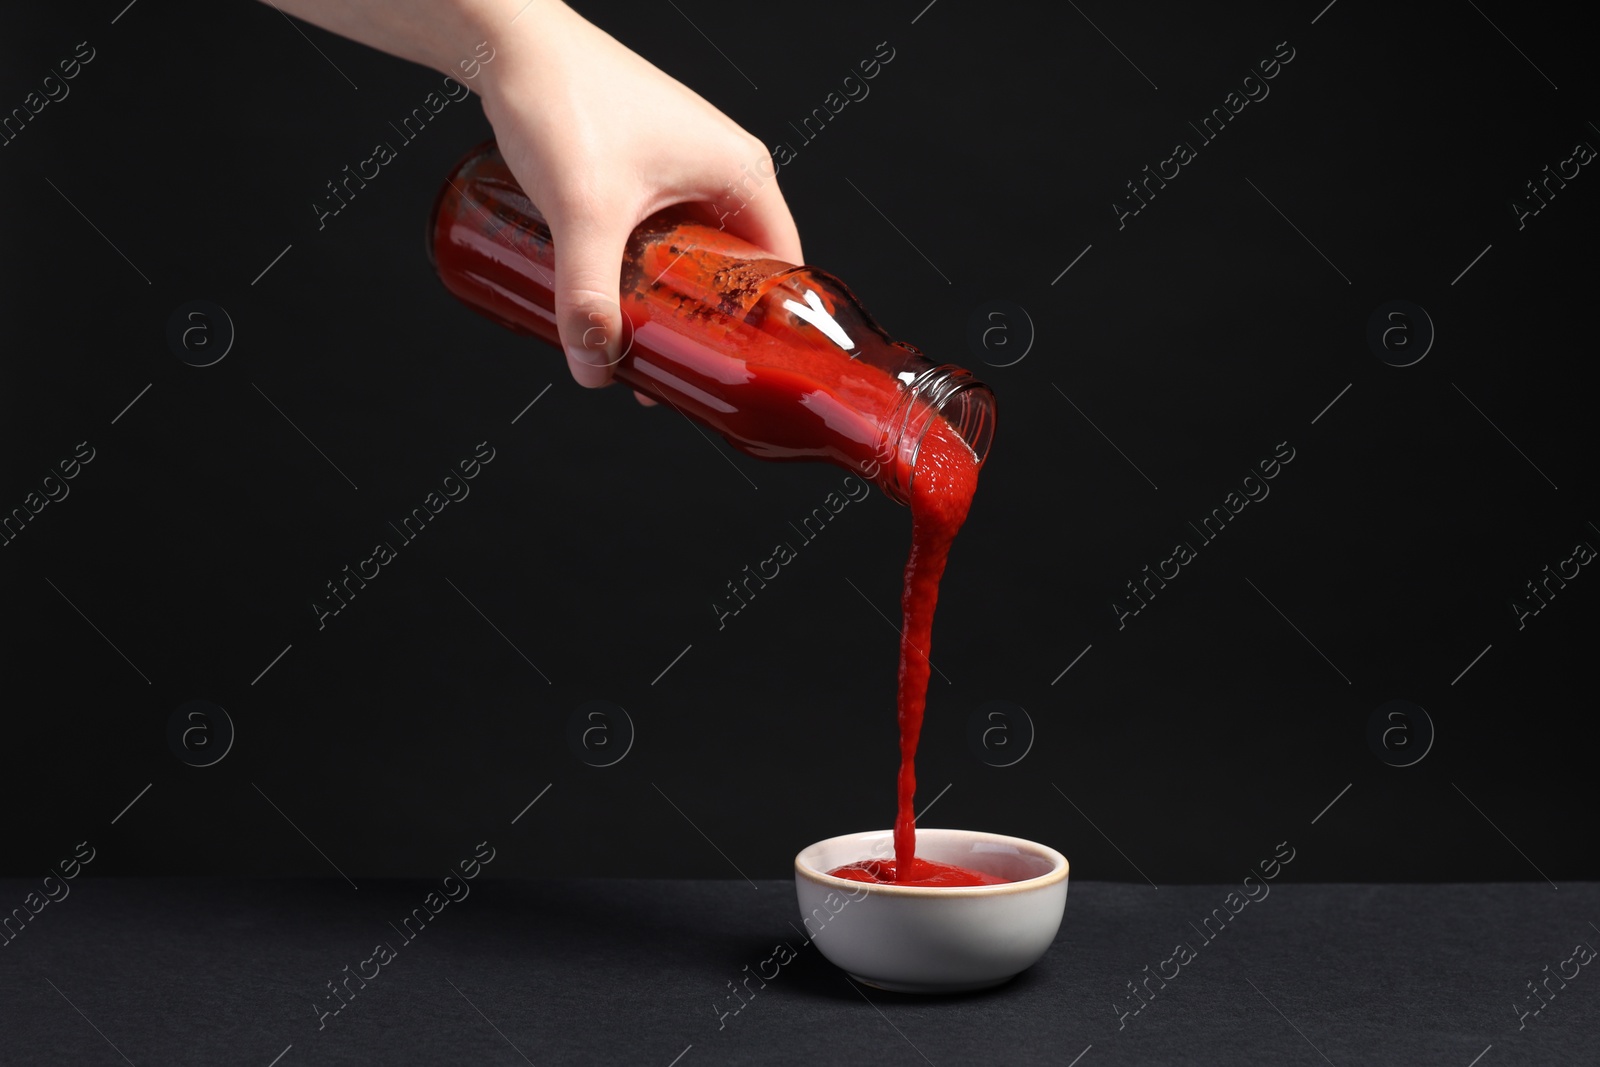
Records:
x=956, y=397
x=970, y=411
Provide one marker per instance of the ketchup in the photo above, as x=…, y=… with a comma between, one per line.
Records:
x=781, y=360
x=947, y=477
x=918, y=873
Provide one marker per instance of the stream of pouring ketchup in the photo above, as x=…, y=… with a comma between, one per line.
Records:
x=945, y=478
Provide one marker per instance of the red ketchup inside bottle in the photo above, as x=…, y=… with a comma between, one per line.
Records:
x=784, y=363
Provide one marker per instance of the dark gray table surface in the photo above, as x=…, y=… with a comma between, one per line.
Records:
x=220, y=971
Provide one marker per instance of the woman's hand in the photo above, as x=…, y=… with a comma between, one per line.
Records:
x=598, y=137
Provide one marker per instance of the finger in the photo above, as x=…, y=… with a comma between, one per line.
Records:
x=763, y=219
x=641, y=398
x=588, y=272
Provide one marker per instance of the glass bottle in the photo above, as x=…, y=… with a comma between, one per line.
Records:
x=779, y=359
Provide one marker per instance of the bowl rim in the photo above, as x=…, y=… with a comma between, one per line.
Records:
x=1057, y=873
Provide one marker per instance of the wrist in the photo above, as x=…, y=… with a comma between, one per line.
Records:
x=474, y=33
x=541, y=46
x=512, y=32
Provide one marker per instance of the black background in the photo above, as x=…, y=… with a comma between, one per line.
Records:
x=1196, y=338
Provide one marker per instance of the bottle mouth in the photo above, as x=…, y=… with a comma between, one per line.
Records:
x=955, y=396
x=968, y=406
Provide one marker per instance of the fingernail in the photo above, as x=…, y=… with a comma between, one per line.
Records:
x=588, y=366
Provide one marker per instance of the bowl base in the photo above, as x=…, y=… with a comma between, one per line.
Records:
x=929, y=987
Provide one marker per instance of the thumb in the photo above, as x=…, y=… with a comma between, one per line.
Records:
x=588, y=318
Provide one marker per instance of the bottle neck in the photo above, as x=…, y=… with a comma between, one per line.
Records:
x=933, y=392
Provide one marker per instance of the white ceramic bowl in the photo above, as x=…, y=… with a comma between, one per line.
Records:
x=916, y=939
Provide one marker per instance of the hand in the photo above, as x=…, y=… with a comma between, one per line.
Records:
x=599, y=139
